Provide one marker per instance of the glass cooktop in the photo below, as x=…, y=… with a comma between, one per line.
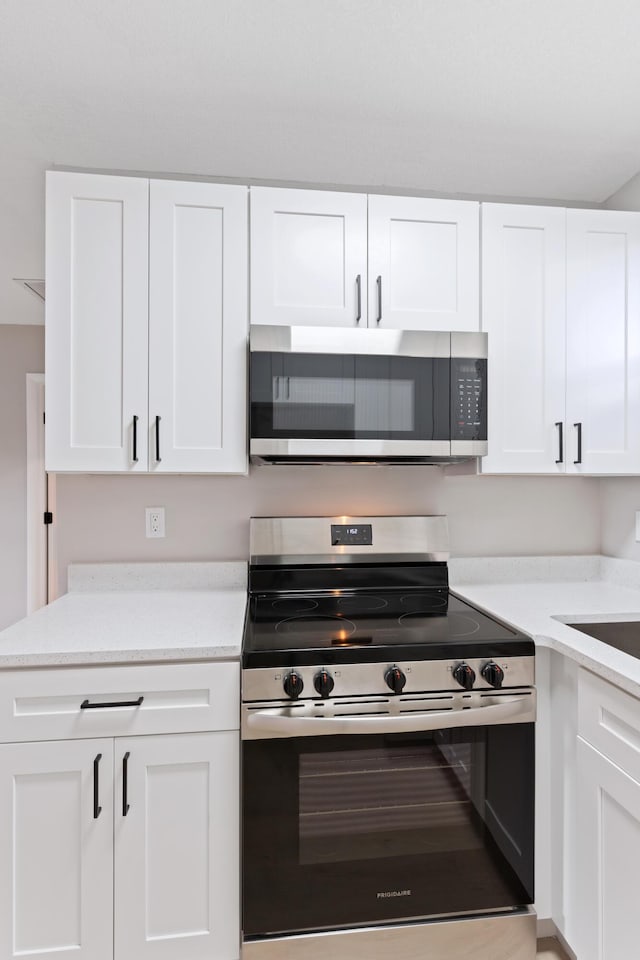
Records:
x=342, y=627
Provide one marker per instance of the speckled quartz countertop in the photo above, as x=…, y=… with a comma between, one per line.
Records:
x=130, y=613
x=538, y=595
x=126, y=613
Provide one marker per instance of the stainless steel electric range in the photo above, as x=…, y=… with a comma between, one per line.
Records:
x=388, y=751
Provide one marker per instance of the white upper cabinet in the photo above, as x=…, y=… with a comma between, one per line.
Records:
x=561, y=306
x=423, y=263
x=603, y=341
x=96, y=322
x=308, y=257
x=146, y=325
x=523, y=313
x=197, y=327
x=321, y=258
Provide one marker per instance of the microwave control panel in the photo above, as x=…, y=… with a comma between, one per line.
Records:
x=468, y=399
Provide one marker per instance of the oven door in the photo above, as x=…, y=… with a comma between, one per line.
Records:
x=349, y=406
x=360, y=829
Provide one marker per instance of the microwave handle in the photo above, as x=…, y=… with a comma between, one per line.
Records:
x=281, y=722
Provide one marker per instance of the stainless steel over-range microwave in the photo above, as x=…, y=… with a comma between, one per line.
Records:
x=323, y=395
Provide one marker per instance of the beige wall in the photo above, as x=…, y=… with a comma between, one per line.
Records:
x=627, y=197
x=21, y=352
x=102, y=518
x=620, y=498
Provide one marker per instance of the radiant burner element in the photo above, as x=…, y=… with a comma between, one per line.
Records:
x=458, y=625
x=294, y=605
x=333, y=628
x=361, y=604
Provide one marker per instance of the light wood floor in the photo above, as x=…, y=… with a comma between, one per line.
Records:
x=550, y=950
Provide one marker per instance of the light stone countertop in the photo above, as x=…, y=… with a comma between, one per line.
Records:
x=537, y=595
x=131, y=613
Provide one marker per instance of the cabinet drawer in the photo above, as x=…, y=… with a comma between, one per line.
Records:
x=609, y=719
x=69, y=703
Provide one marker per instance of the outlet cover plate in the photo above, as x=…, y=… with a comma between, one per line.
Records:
x=154, y=517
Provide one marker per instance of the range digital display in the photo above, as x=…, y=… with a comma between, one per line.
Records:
x=351, y=534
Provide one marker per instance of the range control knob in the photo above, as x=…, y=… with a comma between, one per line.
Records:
x=493, y=674
x=395, y=679
x=323, y=682
x=293, y=685
x=465, y=676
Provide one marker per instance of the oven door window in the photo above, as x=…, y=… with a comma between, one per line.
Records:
x=318, y=396
x=358, y=830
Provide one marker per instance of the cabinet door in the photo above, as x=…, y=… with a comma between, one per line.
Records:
x=197, y=327
x=603, y=341
x=177, y=848
x=523, y=313
x=608, y=866
x=96, y=322
x=56, y=858
x=308, y=257
x=424, y=263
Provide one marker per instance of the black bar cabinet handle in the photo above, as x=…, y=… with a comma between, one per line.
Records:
x=379, y=285
x=358, y=298
x=579, y=428
x=158, y=460
x=135, y=439
x=87, y=705
x=560, y=427
x=125, y=784
x=97, y=809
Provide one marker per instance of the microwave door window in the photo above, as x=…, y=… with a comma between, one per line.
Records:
x=384, y=406
x=318, y=396
x=313, y=404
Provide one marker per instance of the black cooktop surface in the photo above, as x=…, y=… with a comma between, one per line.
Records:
x=339, y=626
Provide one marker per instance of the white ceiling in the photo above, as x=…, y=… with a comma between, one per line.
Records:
x=527, y=98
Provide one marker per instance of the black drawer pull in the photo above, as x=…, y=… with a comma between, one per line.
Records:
x=158, y=458
x=87, y=705
x=97, y=809
x=560, y=443
x=578, y=427
x=125, y=784
x=135, y=440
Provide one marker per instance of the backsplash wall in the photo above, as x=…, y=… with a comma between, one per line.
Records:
x=101, y=518
x=619, y=500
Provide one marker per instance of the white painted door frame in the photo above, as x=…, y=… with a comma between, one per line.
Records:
x=37, y=497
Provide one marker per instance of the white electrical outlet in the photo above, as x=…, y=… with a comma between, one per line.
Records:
x=155, y=521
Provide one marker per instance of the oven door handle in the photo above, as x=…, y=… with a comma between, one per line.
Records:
x=280, y=721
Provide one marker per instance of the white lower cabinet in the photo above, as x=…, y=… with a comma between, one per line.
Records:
x=121, y=849
x=176, y=848
x=608, y=858
x=56, y=855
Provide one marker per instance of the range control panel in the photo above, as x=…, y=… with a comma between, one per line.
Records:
x=386, y=679
x=468, y=399
x=351, y=534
